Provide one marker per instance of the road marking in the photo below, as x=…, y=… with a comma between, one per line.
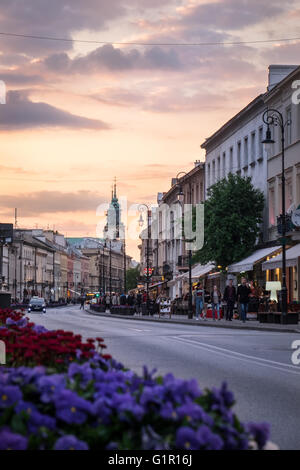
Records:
x=135, y=329
x=240, y=356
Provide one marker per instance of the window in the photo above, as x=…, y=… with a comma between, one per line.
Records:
x=246, y=151
x=260, y=144
x=289, y=195
x=289, y=128
x=213, y=178
x=239, y=151
x=231, y=160
x=224, y=164
x=219, y=168
x=271, y=207
x=208, y=175
x=253, y=142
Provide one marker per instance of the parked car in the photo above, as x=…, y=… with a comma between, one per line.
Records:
x=37, y=304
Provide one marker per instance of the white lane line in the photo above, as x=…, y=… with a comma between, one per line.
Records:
x=240, y=356
x=135, y=329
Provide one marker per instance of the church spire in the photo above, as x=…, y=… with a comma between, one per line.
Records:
x=115, y=188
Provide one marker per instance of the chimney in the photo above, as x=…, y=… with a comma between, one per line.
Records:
x=278, y=73
x=197, y=163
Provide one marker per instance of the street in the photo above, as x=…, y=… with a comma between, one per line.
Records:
x=257, y=365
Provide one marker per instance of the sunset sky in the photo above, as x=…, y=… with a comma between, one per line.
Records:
x=79, y=114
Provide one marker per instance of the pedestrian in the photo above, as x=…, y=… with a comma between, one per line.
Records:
x=138, y=304
x=199, y=300
x=107, y=301
x=123, y=299
x=82, y=302
x=243, y=294
x=230, y=298
x=114, y=299
x=216, y=298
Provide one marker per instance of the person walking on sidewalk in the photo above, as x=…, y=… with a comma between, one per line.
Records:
x=216, y=298
x=82, y=302
x=138, y=304
x=199, y=300
x=243, y=294
x=230, y=298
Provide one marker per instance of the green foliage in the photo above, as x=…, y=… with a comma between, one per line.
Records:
x=132, y=276
x=233, y=213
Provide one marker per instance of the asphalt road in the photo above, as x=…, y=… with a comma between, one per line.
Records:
x=257, y=365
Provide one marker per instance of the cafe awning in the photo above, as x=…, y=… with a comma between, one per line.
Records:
x=247, y=264
x=292, y=255
x=198, y=271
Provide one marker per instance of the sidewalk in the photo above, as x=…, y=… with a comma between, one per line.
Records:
x=183, y=320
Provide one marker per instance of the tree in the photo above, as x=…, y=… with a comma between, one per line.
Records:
x=132, y=277
x=233, y=212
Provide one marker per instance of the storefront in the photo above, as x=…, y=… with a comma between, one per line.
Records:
x=180, y=285
x=273, y=270
x=251, y=266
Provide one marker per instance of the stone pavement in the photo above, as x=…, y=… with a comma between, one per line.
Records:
x=181, y=319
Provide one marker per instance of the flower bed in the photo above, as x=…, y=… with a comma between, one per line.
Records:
x=93, y=402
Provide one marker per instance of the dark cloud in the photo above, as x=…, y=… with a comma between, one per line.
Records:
x=46, y=202
x=60, y=18
x=233, y=14
x=20, y=113
x=17, y=78
x=111, y=58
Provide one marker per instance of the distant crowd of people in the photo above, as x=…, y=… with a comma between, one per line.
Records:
x=245, y=297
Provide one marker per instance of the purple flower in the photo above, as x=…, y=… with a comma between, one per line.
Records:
x=101, y=410
x=153, y=394
x=260, y=432
x=37, y=421
x=25, y=406
x=83, y=370
x=208, y=440
x=70, y=442
x=71, y=408
x=186, y=438
x=9, y=395
x=11, y=441
x=168, y=411
x=192, y=411
x=25, y=375
x=49, y=385
x=39, y=329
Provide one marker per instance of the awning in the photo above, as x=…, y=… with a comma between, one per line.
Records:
x=157, y=284
x=247, y=264
x=292, y=255
x=197, y=271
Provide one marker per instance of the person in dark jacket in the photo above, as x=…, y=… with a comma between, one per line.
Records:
x=243, y=294
x=230, y=298
x=138, y=304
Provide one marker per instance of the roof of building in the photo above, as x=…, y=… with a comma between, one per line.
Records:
x=247, y=109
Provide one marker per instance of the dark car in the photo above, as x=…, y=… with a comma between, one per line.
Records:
x=37, y=304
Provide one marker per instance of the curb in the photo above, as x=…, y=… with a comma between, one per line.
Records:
x=194, y=323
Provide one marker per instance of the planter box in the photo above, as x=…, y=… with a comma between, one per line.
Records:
x=98, y=308
x=291, y=318
x=122, y=310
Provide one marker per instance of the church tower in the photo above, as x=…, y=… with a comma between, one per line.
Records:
x=114, y=228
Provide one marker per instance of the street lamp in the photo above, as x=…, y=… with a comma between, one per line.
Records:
x=141, y=208
x=275, y=117
x=181, y=200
